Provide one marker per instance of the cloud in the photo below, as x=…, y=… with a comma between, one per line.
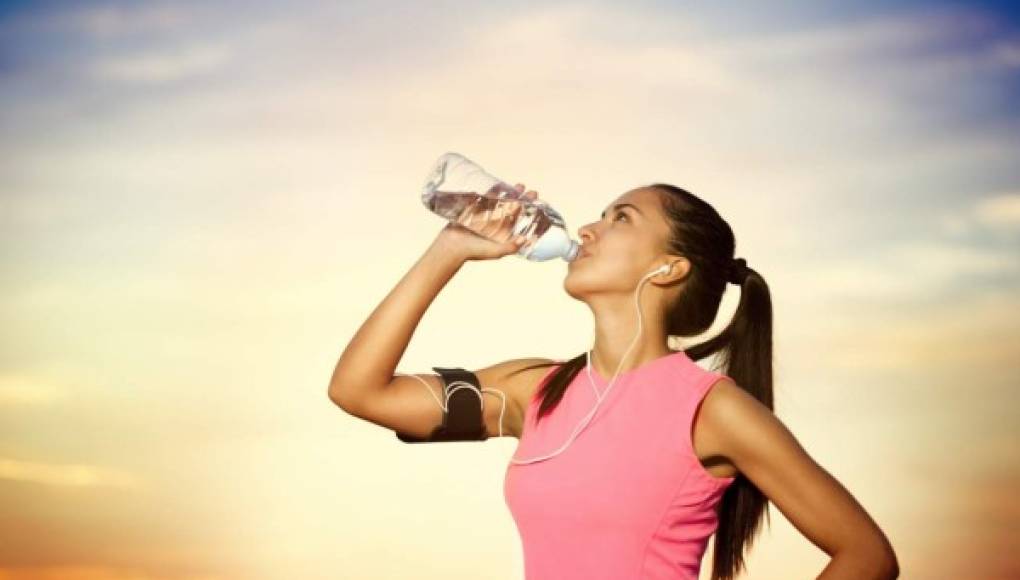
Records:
x=110, y=21
x=23, y=390
x=1007, y=54
x=910, y=270
x=164, y=66
x=1001, y=212
x=876, y=36
x=929, y=263
x=573, y=30
x=975, y=334
x=997, y=214
x=63, y=475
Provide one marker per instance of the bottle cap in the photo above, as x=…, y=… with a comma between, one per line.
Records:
x=554, y=243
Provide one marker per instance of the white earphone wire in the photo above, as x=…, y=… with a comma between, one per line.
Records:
x=598, y=396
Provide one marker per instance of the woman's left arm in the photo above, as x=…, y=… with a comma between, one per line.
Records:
x=766, y=453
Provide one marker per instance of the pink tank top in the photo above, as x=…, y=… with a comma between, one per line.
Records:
x=628, y=499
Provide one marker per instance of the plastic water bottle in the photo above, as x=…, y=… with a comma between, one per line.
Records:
x=456, y=184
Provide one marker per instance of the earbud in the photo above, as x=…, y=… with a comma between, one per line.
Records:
x=664, y=269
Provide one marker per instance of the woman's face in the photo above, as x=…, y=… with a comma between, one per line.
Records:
x=627, y=242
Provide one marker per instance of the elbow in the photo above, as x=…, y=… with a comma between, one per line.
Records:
x=892, y=569
x=343, y=399
x=884, y=557
x=871, y=562
x=889, y=571
x=886, y=566
x=884, y=569
x=334, y=395
x=890, y=564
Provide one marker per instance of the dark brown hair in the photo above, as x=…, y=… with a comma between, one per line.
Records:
x=698, y=233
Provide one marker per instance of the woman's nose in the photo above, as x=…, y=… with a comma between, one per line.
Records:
x=586, y=233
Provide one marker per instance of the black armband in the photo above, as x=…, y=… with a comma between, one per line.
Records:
x=462, y=421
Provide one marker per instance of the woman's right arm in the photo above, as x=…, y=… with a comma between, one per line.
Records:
x=363, y=382
x=368, y=362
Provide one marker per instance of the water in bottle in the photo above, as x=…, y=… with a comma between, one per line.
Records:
x=457, y=185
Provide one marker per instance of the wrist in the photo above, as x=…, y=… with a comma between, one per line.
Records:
x=444, y=250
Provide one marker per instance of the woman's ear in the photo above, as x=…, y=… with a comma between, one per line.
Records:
x=679, y=267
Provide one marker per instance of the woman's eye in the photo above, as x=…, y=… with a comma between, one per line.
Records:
x=619, y=215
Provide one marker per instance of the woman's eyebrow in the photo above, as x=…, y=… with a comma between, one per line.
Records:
x=622, y=205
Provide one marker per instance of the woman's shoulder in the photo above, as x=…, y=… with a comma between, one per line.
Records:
x=522, y=379
x=527, y=373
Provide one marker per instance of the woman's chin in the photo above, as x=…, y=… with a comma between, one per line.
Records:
x=577, y=287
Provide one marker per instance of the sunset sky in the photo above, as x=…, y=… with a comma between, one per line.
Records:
x=200, y=203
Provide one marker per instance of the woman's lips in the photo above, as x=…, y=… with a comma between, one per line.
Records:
x=580, y=256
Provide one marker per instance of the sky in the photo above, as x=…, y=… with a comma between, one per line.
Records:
x=200, y=203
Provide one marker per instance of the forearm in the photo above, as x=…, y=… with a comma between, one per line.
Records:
x=860, y=565
x=370, y=359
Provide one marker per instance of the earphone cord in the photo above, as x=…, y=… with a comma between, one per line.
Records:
x=454, y=387
x=599, y=397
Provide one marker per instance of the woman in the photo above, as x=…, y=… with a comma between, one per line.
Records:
x=628, y=476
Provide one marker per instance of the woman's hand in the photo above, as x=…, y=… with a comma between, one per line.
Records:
x=472, y=235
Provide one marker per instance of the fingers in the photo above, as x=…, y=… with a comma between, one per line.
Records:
x=497, y=223
x=531, y=194
x=500, y=218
